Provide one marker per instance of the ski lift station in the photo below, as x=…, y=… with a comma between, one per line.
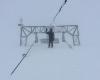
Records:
x=26, y=31
x=32, y=34
x=72, y=30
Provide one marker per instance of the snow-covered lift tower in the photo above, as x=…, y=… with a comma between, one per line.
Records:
x=26, y=31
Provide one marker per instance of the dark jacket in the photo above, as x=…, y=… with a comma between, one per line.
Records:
x=51, y=35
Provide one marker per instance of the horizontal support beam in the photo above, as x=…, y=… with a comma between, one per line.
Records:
x=72, y=30
x=49, y=26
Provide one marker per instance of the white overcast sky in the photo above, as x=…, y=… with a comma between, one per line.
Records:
x=85, y=13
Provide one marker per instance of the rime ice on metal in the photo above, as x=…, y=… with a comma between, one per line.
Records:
x=26, y=31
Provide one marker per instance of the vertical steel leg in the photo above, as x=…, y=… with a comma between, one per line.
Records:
x=21, y=36
x=76, y=40
x=26, y=41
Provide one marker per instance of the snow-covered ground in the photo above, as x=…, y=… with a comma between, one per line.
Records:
x=43, y=63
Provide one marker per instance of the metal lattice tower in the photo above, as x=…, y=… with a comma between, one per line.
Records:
x=26, y=31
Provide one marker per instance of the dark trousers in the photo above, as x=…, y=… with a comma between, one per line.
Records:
x=50, y=44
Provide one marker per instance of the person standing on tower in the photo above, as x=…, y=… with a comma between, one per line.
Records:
x=51, y=37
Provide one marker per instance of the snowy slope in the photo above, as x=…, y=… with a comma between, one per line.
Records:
x=44, y=63
x=61, y=62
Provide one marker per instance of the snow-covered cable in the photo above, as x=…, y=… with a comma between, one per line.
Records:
x=22, y=59
x=58, y=12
